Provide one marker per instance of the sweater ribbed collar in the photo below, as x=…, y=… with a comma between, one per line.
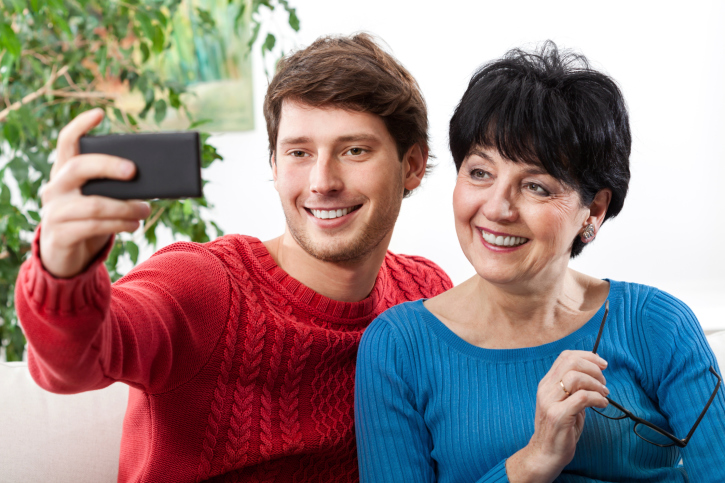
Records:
x=309, y=300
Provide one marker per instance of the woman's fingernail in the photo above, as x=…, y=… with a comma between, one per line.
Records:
x=603, y=362
x=606, y=391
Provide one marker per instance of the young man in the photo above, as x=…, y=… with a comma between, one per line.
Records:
x=240, y=354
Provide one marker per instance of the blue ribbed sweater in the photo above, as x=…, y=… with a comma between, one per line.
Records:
x=431, y=407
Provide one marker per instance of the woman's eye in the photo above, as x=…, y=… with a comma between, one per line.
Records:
x=479, y=174
x=355, y=151
x=537, y=188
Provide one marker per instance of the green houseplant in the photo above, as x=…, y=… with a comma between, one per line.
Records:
x=61, y=57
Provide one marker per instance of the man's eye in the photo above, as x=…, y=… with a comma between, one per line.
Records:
x=355, y=151
x=298, y=154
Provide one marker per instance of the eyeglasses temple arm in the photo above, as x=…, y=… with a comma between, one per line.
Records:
x=601, y=326
x=714, y=393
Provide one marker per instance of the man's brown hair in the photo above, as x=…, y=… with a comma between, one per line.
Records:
x=352, y=73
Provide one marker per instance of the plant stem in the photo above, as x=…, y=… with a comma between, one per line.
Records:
x=34, y=95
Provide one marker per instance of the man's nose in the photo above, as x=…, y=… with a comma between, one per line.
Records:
x=501, y=204
x=325, y=175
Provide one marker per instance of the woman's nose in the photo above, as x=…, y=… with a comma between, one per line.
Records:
x=325, y=177
x=500, y=206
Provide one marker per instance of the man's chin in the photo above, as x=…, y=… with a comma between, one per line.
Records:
x=338, y=251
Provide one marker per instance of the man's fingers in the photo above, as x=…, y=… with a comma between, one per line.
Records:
x=75, y=232
x=72, y=132
x=80, y=169
x=95, y=208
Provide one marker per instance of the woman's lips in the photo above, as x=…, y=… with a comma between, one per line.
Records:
x=502, y=240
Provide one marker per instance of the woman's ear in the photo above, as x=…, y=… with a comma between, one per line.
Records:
x=598, y=208
x=414, y=164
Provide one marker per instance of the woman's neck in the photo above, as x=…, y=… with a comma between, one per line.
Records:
x=505, y=316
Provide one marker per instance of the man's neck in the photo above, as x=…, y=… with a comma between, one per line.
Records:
x=342, y=281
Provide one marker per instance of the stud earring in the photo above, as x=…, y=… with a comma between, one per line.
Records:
x=588, y=233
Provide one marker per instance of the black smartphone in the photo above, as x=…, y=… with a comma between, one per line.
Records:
x=168, y=165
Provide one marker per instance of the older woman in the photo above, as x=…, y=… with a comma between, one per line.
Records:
x=491, y=380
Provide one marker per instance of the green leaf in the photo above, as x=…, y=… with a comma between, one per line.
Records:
x=9, y=40
x=145, y=52
x=158, y=39
x=198, y=123
x=294, y=21
x=34, y=215
x=59, y=22
x=132, y=250
x=19, y=168
x=144, y=22
x=269, y=43
x=159, y=111
x=11, y=133
x=174, y=99
x=188, y=208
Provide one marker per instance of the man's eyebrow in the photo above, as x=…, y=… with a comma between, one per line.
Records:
x=297, y=140
x=356, y=138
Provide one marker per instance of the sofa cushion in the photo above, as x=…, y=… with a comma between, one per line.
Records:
x=58, y=438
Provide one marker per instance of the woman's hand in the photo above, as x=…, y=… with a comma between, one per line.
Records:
x=574, y=383
x=76, y=227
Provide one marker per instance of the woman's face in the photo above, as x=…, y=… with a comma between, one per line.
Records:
x=515, y=222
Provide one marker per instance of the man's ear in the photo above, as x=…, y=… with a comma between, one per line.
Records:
x=273, y=162
x=414, y=164
x=598, y=208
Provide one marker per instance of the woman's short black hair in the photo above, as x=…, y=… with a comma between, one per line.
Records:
x=549, y=108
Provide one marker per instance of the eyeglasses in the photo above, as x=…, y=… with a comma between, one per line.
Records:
x=649, y=432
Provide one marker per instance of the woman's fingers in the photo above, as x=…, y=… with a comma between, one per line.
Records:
x=574, y=381
x=580, y=361
x=70, y=134
x=78, y=170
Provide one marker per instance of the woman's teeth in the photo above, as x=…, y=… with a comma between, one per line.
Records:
x=503, y=241
x=329, y=214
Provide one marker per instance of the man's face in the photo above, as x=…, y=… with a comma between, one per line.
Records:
x=340, y=180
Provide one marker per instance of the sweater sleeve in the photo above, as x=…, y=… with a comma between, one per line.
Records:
x=393, y=441
x=685, y=384
x=153, y=329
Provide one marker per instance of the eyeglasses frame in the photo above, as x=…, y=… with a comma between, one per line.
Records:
x=627, y=414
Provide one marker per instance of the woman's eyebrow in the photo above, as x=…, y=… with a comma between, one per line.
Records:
x=482, y=154
x=536, y=170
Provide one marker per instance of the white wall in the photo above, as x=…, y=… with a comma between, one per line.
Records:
x=669, y=60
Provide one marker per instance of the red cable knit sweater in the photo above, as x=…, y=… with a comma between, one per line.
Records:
x=238, y=372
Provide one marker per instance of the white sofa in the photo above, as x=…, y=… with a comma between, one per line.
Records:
x=51, y=438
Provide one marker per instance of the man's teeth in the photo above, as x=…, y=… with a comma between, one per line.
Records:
x=329, y=214
x=503, y=241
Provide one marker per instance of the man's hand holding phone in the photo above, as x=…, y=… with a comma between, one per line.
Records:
x=76, y=227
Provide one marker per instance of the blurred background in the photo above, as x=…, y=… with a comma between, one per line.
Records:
x=668, y=58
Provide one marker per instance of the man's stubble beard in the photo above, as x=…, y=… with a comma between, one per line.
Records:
x=369, y=238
